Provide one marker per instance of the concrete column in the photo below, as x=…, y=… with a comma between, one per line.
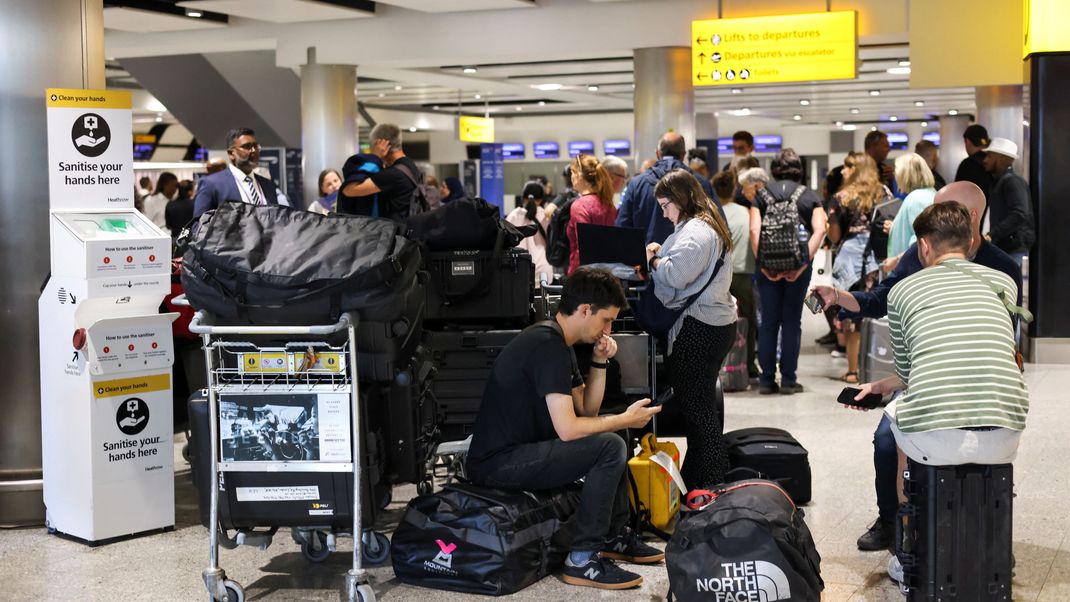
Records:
x=952, y=151
x=67, y=42
x=706, y=129
x=328, y=119
x=664, y=98
x=999, y=109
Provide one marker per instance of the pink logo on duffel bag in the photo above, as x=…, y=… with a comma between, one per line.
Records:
x=445, y=555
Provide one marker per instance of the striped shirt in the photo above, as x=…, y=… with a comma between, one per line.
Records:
x=954, y=349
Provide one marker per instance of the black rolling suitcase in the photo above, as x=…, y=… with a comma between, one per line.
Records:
x=406, y=412
x=281, y=499
x=775, y=454
x=464, y=361
x=483, y=288
x=954, y=532
x=386, y=344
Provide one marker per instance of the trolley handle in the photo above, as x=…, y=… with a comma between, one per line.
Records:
x=181, y=300
x=544, y=283
x=199, y=325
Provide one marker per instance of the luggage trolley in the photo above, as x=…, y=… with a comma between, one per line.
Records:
x=243, y=368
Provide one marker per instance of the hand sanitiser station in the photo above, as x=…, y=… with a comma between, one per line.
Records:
x=106, y=351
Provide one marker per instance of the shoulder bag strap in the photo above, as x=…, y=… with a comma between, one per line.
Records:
x=1000, y=292
x=717, y=268
x=405, y=170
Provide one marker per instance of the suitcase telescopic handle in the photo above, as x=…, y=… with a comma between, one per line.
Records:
x=200, y=325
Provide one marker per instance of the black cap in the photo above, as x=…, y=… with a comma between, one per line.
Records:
x=977, y=135
x=533, y=190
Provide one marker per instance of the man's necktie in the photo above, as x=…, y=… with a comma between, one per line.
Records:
x=253, y=194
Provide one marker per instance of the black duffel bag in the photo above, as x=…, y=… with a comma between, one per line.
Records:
x=775, y=454
x=480, y=540
x=268, y=265
x=466, y=225
x=743, y=541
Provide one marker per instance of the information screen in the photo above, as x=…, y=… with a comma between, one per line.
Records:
x=143, y=151
x=724, y=146
x=578, y=147
x=897, y=140
x=767, y=144
x=512, y=151
x=617, y=148
x=546, y=150
x=933, y=137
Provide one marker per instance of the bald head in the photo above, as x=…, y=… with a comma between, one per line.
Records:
x=672, y=145
x=973, y=199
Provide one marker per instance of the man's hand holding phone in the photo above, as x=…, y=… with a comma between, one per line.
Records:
x=639, y=413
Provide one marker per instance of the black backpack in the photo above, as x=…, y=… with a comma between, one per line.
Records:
x=745, y=541
x=418, y=200
x=780, y=248
x=557, y=246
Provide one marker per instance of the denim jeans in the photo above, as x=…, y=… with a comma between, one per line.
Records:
x=600, y=460
x=782, y=305
x=885, y=467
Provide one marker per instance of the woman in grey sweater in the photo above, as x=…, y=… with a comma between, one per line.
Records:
x=692, y=256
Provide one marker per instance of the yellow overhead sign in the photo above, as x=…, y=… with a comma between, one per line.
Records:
x=761, y=50
x=1045, y=26
x=476, y=129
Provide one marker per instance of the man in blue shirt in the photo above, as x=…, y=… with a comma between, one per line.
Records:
x=874, y=304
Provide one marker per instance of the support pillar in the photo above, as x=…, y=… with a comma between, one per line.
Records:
x=664, y=98
x=328, y=119
x=952, y=150
x=67, y=42
x=706, y=129
x=1049, y=182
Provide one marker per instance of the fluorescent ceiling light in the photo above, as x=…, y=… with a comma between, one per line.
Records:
x=874, y=92
x=904, y=63
x=919, y=103
x=849, y=127
x=478, y=96
x=952, y=112
x=469, y=70
x=548, y=87
x=893, y=118
x=592, y=88
x=899, y=71
x=737, y=90
x=855, y=111
x=797, y=117
x=542, y=103
x=412, y=129
x=804, y=102
x=741, y=112
x=196, y=14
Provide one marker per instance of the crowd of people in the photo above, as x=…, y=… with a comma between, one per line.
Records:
x=739, y=244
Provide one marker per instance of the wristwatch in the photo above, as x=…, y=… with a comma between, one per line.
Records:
x=651, y=264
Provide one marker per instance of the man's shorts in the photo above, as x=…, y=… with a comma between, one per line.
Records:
x=949, y=447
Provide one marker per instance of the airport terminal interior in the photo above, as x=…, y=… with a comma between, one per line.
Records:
x=197, y=391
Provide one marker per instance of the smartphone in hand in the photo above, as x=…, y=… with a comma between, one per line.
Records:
x=869, y=402
x=665, y=395
x=815, y=303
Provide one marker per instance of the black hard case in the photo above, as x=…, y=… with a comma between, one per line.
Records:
x=776, y=455
x=464, y=361
x=954, y=532
x=406, y=412
x=335, y=488
x=480, y=287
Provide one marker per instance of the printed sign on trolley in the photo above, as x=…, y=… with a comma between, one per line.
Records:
x=762, y=50
x=90, y=156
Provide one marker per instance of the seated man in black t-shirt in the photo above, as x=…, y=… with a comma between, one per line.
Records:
x=394, y=184
x=538, y=428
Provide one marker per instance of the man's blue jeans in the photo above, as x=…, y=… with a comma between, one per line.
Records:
x=782, y=305
x=885, y=466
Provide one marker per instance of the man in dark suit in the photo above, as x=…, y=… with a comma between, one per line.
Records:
x=237, y=182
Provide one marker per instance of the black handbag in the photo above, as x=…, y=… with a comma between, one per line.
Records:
x=465, y=225
x=269, y=264
x=480, y=540
x=656, y=319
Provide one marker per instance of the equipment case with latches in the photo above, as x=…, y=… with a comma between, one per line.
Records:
x=480, y=288
x=464, y=361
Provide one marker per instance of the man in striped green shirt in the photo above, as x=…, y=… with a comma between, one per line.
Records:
x=965, y=400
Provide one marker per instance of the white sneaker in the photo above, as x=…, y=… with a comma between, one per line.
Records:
x=895, y=572
x=837, y=354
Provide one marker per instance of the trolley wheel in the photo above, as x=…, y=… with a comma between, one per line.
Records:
x=365, y=593
x=376, y=547
x=315, y=547
x=235, y=593
x=424, y=487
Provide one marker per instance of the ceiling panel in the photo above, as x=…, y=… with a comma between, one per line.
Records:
x=453, y=6
x=145, y=21
x=278, y=11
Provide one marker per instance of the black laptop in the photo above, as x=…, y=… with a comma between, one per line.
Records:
x=610, y=244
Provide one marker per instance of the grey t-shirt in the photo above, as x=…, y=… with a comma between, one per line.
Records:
x=738, y=218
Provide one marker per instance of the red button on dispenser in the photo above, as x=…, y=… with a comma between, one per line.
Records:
x=129, y=259
x=107, y=349
x=152, y=258
x=78, y=340
x=107, y=260
x=131, y=347
x=154, y=345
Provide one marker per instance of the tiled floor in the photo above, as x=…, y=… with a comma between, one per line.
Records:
x=167, y=567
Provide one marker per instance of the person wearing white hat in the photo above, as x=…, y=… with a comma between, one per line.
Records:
x=1009, y=203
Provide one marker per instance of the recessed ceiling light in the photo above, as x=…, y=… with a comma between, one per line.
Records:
x=952, y=112
x=397, y=88
x=196, y=14
x=159, y=119
x=893, y=118
x=434, y=108
x=741, y=112
x=899, y=71
x=873, y=129
x=855, y=111
x=592, y=88
x=849, y=127
x=874, y=92
x=904, y=63
x=478, y=96
x=412, y=129
x=737, y=90
x=919, y=103
x=839, y=124
x=924, y=124
x=382, y=94
x=542, y=103
x=520, y=108
x=547, y=87
x=804, y=102
x=469, y=70
x=797, y=117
